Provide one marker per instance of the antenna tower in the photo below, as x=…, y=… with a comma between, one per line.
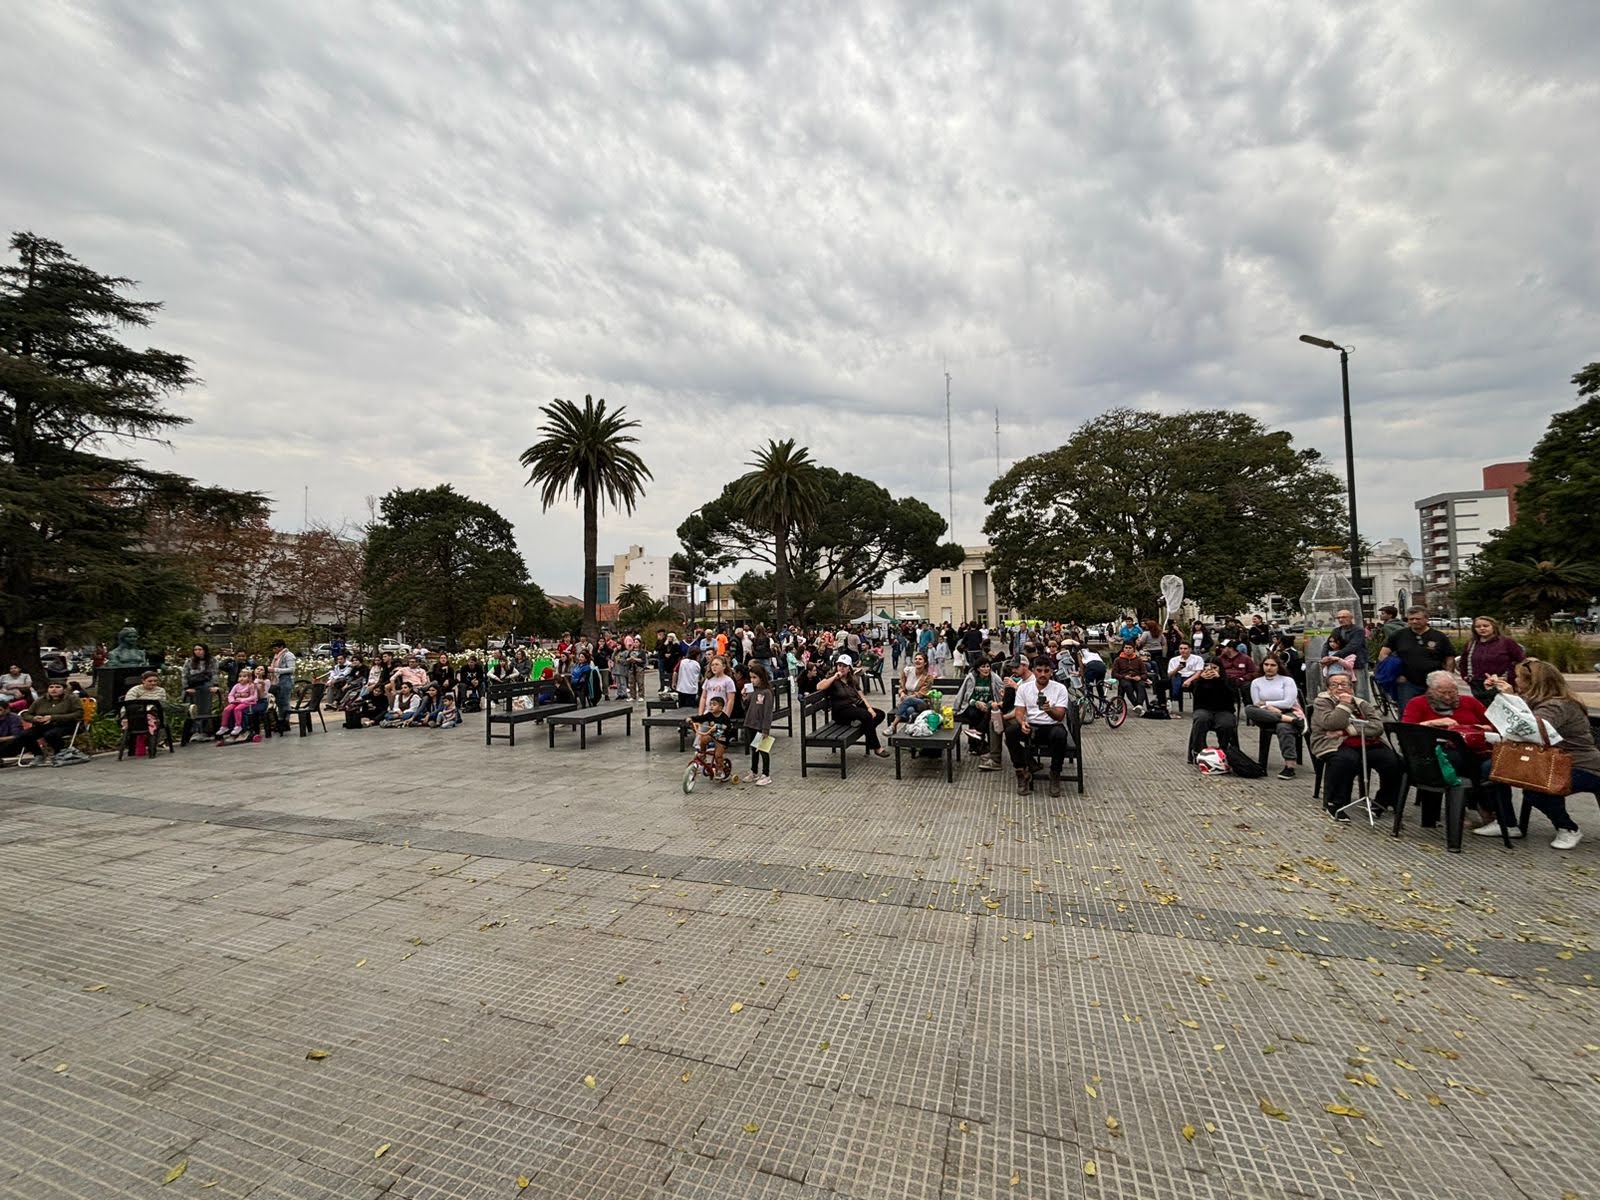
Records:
x=997, y=441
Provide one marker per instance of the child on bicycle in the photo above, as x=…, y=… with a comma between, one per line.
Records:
x=713, y=729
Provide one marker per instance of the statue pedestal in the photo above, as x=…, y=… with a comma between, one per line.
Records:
x=111, y=684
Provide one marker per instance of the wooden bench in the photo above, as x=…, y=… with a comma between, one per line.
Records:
x=946, y=741
x=596, y=715
x=506, y=694
x=818, y=729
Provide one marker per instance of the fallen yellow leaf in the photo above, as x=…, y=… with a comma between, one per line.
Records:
x=1090, y=1169
x=100, y=987
x=1210, y=1128
x=1273, y=1111
x=382, y=1150
x=621, y=979
x=844, y=996
x=964, y=1127
x=175, y=1173
x=212, y=1184
x=752, y=1127
x=624, y=1039
x=60, y=1067
x=362, y=963
x=1028, y=937
x=316, y=1055
x=1115, y=1126
x=1344, y=1110
x=1088, y=1087
x=1190, y=1024
x=522, y=1182
x=588, y=1081
x=735, y=1007
x=1188, y=1133
x=685, y=1077
x=1016, y=1178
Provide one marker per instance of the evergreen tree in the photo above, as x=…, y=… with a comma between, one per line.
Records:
x=73, y=507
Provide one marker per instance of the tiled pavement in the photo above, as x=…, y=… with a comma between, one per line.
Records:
x=555, y=965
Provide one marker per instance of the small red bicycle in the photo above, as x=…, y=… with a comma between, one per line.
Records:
x=704, y=761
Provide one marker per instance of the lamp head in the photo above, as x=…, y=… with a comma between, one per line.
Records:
x=1323, y=342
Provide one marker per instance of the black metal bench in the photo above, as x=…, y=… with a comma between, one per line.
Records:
x=506, y=694
x=666, y=714
x=818, y=729
x=946, y=741
x=580, y=719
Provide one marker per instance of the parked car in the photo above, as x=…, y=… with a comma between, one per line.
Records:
x=322, y=650
x=54, y=662
x=389, y=646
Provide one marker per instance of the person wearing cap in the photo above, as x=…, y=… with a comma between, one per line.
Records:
x=848, y=706
x=1041, y=716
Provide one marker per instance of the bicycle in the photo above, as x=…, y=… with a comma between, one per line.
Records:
x=704, y=761
x=1095, y=705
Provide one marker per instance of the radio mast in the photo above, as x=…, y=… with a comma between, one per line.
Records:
x=950, y=454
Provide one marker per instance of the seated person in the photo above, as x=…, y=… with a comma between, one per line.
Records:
x=16, y=687
x=428, y=709
x=1212, y=697
x=1182, y=667
x=848, y=706
x=52, y=718
x=13, y=737
x=1275, y=704
x=1130, y=671
x=915, y=683
x=586, y=678
x=148, y=689
x=407, y=703
x=443, y=673
x=1444, y=706
x=447, y=715
x=976, y=707
x=1041, y=721
x=241, y=699
x=337, y=681
x=559, y=692
x=413, y=672
x=712, y=729
x=1340, y=722
x=470, y=684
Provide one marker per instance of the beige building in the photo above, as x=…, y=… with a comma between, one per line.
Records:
x=961, y=594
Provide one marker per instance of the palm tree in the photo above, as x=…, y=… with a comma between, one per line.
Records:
x=585, y=450
x=783, y=493
x=634, y=595
x=1543, y=587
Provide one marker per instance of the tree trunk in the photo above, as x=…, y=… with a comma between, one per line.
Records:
x=780, y=574
x=591, y=554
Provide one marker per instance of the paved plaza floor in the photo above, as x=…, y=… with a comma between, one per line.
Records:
x=404, y=964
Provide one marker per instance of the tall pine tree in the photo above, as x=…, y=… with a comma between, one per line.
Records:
x=73, y=507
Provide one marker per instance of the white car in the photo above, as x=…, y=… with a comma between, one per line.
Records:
x=389, y=646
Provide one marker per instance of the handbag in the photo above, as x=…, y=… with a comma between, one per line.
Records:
x=1532, y=766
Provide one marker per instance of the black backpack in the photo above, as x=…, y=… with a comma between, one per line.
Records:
x=1242, y=765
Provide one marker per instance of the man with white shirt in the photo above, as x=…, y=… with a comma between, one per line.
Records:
x=1041, y=721
x=1182, y=667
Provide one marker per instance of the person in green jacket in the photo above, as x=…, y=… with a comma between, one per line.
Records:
x=51, y=719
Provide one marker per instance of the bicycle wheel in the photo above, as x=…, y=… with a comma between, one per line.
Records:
x=690, y=773
x=1116, y=712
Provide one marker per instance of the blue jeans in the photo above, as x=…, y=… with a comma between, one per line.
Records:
x=909, y=707
x=1555, y=807
x=1408, y=692
x=281, y=689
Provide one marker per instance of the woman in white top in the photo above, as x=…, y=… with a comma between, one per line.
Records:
x=915, y=682
x=1275, y=704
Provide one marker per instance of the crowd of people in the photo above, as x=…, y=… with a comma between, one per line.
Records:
x=1012, y=689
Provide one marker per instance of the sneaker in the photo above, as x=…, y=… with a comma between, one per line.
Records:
x=1566, y=839
x=988, y=764
x=763, y=780
x=1138, y=710
x=1286, y=773
x=1488, y=829
x=1340, y=816
x=257, y=738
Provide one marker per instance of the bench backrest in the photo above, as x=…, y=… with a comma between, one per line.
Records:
x=508, y=692
x=815, y=709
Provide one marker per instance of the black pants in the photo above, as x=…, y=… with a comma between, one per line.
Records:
x=1223, y=721
x=1055, y=739
x=1344, y=764
x=1134, y=691
x=862, y=715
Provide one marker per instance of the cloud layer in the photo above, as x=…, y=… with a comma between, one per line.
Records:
x=387, y=233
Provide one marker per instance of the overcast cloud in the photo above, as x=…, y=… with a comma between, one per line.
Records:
x=386, y=234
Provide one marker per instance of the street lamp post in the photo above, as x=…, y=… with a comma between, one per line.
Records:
x=1349, y=453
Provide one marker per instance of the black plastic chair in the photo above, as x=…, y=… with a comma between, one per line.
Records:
x=306, y=701
x=1269, y=735
x=137, y=714
x=1418, y=747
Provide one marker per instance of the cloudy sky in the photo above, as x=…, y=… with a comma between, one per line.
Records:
x=386, y=233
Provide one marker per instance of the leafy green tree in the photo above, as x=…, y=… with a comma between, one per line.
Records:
x=1132, y=496
x=73, y=508
x=648, y=611
x=564, y=618
x=433, y=559
x=1556, y=510
x=782, y=494
x=585, y=452
x=856, y=536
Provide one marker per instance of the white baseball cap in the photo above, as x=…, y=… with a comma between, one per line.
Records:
x=844, y=660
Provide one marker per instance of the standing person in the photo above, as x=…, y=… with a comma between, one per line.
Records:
x=1289, y=661
x=686, y=679
x=1260, y=639
x=1389, y=623
x=668, y=652
x=761, y=650
x=1488, y=652
x=718, y=683
x=1275, y=705
x=758, y=707
x=1422, y=650
x=282, y=671
x=1547, y=693
x=1200, y=638
x=848, y=706
x=199, y=679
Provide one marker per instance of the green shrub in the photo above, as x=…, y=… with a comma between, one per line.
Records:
x=1566, y=652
